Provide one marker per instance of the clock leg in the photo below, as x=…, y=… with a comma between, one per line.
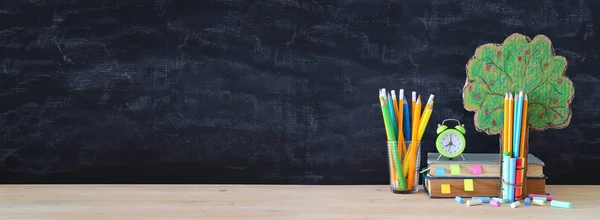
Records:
x=439, y=157
x=462, y=157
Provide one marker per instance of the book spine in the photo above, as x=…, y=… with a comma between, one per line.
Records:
x=486, y=187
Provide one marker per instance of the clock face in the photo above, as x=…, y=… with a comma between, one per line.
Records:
x=451, y=143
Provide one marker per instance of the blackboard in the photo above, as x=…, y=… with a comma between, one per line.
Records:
x=265, y=91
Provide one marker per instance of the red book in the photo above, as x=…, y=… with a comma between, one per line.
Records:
x=518, y=178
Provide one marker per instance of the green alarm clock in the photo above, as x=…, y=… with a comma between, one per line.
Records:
x=451, y=141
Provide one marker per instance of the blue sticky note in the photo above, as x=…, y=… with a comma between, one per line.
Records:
x=440, y=171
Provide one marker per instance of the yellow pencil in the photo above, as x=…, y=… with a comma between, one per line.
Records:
x=511, y=105
x=425, y=119
x=506, y=119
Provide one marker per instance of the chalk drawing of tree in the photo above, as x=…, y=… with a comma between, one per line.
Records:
x=518, y=64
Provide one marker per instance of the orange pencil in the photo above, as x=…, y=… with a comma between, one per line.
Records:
x=412, y=105
x=511, y=115
x=417, y=116
x=505, y=139
x=401, y=145
x=395, y=103
x=416, y=119
x=414, y=133
x=522, y=151
x=415, y=144
x=398, y=119
x=412, y=150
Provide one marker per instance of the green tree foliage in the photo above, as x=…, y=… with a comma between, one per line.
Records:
x=518, y=64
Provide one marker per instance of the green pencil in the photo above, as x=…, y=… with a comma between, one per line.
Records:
x=392, y=137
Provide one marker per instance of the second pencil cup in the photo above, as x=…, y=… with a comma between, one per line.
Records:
x=404, y=159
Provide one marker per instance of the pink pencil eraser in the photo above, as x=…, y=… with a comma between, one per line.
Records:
x=548, y=197
x=495, y=203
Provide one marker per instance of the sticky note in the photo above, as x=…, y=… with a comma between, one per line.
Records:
x=445, y=188
x=454, y=169
x=468, y=184
x=476, y=169
x=440, y=171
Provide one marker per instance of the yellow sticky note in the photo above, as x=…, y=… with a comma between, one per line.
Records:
x=468, y=185
x=445, y=188
x=454, y=169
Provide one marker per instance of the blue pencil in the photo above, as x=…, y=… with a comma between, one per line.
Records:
x=505, y=174
x=406, y=121
x=518, y=118
x=393, y=115
x=511, y=189
x=514, y=131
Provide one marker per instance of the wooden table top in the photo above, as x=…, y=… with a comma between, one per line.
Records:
x=267, y=202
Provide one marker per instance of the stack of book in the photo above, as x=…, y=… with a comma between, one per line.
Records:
x=477, y=175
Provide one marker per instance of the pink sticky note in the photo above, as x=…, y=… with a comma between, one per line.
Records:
x=476, y=169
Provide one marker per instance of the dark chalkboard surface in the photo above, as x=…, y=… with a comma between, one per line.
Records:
x=261, y=91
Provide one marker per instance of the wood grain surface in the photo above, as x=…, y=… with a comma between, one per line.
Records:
x=267, y=202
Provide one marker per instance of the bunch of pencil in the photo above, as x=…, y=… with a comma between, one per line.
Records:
x=514, y=145
x=404, y=125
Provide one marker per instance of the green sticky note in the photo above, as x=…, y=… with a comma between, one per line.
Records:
x=454, y=169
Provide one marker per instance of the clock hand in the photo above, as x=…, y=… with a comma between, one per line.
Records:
x=448, y=144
